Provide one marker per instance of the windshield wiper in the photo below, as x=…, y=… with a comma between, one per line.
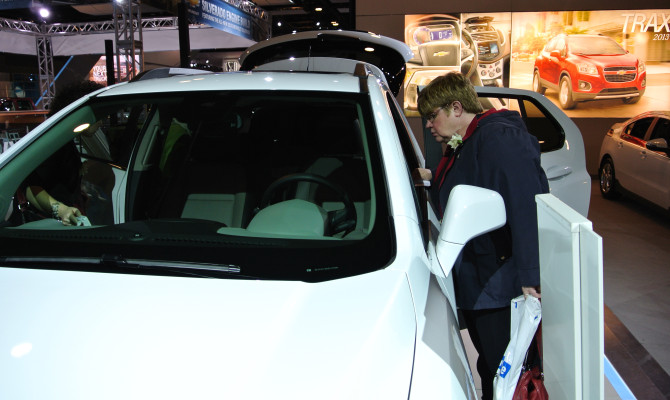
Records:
x=114, y=261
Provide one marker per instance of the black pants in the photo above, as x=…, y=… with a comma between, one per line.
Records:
x=489, y=331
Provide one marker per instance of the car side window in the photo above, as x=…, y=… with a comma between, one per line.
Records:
x=661, y=130
x=560, y=46
x=83, y=151
x=111, y=137
x=551, y=45
x=639, y=128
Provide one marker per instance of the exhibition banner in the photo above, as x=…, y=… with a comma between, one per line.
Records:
x=221, y=15
x=590, y=63
x=99, y=71
x=9, y=4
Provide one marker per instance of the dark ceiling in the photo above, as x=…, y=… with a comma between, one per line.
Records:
x=305, y=15
x=287, y=15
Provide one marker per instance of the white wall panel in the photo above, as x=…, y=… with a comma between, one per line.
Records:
x=572, y=305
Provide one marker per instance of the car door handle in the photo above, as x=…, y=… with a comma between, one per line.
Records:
x=557, y=172
x=619, y=145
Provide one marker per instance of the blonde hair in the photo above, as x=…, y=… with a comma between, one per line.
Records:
x=444, y=90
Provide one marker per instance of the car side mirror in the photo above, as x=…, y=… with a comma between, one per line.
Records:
x=471, y=211
x=555, y=53
x=658, y=144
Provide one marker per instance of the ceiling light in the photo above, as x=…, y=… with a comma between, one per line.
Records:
x=370, y=49
x=44, y=12
x=335, y=23
x=318, y=9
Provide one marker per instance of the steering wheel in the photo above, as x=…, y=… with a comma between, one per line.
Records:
x=469, y=54
x=343, y=220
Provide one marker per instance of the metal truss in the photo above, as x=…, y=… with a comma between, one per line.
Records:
x=82, y=27
x=20, y=26
x=127, y=24
x=46, y=69
x=109, y=26
x=128, y=39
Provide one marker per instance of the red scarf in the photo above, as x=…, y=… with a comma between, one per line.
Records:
x=449, y=157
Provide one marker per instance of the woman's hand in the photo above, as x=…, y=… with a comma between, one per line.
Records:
x=68, y=215
x=423, y=174
x=531, y=290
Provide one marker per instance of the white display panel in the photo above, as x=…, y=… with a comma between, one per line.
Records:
x=572, y=302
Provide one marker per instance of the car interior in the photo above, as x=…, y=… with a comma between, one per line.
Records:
x=256, y=164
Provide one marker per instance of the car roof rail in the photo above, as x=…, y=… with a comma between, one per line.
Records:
x=166, y=72
x=362, y=71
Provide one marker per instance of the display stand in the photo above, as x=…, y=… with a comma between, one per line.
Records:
x=571, y=271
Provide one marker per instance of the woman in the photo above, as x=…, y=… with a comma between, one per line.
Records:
x=492, y=150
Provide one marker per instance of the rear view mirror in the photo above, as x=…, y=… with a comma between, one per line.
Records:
x=471, y=211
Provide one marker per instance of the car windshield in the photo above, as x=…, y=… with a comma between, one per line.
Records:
x=283, y=185
x=594, y=45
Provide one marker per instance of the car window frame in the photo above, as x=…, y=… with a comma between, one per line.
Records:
x=412, y=161
x=627, y=132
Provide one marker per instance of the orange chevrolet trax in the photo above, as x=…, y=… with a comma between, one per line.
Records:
x=589, y=67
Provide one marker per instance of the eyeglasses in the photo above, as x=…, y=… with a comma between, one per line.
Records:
x=431, y=117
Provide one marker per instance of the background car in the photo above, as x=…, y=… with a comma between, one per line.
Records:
x=16, y=104
x=589, y=67
x=634, y=157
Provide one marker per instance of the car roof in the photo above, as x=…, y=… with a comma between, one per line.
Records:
x=662, y=114
x=167, y=72
x=239, y=81
x=313, y=49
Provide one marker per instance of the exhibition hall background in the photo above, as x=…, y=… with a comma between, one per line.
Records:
x=593, y=118
x=390, y=18
x=636, y=275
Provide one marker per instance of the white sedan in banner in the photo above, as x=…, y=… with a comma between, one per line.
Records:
x=262, y=237
x=635, y=158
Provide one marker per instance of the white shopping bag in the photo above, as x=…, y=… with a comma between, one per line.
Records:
x=526, y=316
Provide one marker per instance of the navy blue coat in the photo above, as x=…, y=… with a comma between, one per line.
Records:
x=500, y=155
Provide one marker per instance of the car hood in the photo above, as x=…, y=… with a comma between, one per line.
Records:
x=81, y=335
x=612, y=60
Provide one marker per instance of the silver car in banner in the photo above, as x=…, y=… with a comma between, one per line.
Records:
x=635, y=158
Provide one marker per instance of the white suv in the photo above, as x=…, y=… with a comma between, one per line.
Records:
x=262, y=237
